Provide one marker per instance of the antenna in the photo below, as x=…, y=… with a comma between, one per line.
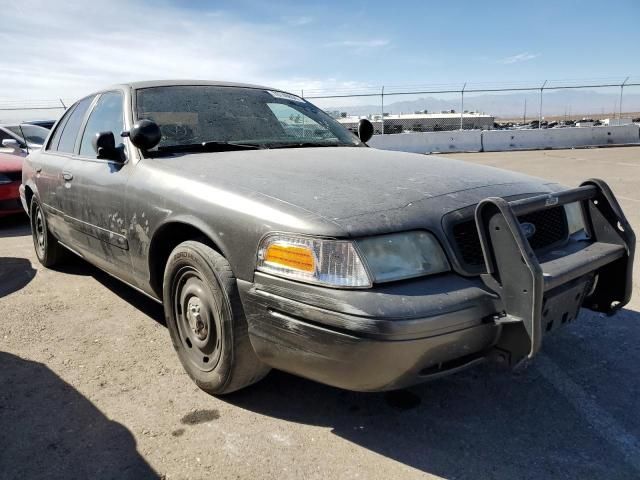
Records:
x=26, y=143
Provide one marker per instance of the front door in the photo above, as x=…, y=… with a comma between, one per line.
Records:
x=98, y=201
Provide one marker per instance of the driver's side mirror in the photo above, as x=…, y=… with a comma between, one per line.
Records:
x=104, y=143
x=13, y=144
x=365, y=130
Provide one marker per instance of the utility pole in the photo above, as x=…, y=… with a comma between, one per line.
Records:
x=382, y=112
x=462, y=106
x=540, y=112
x=620, y=103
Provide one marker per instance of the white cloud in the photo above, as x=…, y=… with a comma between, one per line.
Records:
x=520, y=57
x=359, y=43
x=298, y=21
x=56, y=49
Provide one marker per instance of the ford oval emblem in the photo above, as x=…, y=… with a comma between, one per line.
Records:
x=529, y=229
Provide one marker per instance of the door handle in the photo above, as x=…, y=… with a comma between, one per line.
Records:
x=68, y=176
x=39, y=169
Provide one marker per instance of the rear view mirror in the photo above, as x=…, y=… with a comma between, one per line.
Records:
x=365, y=130
x=104, y=143
x=11, y=143
x=145, y=134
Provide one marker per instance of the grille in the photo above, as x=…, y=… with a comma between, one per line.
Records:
x=551, y=228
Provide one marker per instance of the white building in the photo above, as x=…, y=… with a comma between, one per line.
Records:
x=423, y=122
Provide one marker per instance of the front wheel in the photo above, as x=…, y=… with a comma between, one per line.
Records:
x=206, y=320
x=48, y=250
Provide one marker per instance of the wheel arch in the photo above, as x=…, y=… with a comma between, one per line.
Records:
x=29, y=193
x=168, y=236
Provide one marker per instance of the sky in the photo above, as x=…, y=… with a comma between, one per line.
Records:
x=69, y=48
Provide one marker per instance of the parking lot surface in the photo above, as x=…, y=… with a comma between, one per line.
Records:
x=90, y=386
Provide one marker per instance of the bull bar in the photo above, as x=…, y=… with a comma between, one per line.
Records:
x=596, y=274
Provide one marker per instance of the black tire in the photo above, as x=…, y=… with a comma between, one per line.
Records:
x=48, y=250
x=206, y=320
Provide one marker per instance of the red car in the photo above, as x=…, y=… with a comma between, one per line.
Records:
x=10, y=180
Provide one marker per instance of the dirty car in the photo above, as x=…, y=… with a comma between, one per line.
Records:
x=275, y=238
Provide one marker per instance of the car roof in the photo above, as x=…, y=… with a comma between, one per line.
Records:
x=168, y=83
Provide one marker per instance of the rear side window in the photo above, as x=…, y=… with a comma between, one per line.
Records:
x=55, y=138
x=107, y=116
x=70, y=130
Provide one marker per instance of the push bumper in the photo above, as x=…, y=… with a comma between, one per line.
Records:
x=395, y=335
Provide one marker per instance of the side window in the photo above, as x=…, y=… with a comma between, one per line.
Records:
x=107, y=116
x=55, y=138
x=70, y=131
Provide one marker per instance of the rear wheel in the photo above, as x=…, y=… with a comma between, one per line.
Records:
x=206, y=320
x=48, y=250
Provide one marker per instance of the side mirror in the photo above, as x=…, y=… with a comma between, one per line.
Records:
x=365, y=130
x=12, y=143
x=145, y=134
x=104, y=143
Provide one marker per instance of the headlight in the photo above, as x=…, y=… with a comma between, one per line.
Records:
x=314, y=260
x=403, y=255
x=341, y=263
x=575, y=222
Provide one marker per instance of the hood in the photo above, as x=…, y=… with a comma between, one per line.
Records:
x=10, y=163
x=342, y=184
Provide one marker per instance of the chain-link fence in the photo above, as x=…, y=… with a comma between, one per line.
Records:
x=483, y=106
x=428, y=108
x=17, y=110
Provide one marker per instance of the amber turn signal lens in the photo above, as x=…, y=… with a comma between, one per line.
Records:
x=292, y=256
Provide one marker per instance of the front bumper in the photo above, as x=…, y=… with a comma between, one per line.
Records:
x=395, y=335
x=370, y=340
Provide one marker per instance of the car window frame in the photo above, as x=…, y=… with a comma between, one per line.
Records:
x=82, y=123
x=60, y=124
x=85, y=121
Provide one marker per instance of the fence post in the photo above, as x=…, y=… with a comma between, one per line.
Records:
x=462, y=106
x=540, y=112
x=620, y=105
x=382, y=112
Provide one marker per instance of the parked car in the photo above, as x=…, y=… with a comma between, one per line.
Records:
x=304, y=250
x=48, y=124
x=10, y=179
x=20, y=138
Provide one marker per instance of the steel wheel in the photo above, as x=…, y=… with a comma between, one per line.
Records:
x=198, y=319
x=48, y=250
x=206, y=320
x=39, y=231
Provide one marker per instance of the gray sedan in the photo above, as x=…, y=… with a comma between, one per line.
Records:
x=275, y=238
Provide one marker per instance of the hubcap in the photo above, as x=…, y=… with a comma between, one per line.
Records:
x=197, y=317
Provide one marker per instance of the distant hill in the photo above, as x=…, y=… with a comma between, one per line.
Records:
x=555, y=102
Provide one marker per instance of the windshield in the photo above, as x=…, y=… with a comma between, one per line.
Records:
x=31, y=133
x=192, y=115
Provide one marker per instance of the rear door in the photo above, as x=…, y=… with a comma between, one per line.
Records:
x=97, y=205
x=52, y=180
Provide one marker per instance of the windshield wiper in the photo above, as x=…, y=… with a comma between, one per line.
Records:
x=308, y=145
x=211, y=146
